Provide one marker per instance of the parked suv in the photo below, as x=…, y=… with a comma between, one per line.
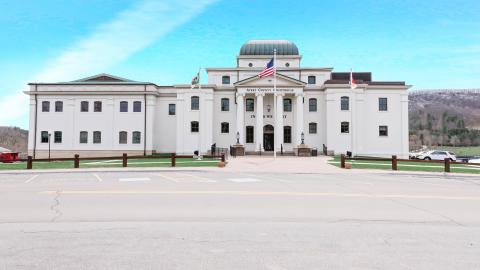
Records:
x=437, y=155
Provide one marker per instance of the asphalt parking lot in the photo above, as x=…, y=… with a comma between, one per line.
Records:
x=214, y=219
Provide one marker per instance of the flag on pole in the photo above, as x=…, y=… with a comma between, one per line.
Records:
x=196, y=79
x=353, y=84
x=269, y=69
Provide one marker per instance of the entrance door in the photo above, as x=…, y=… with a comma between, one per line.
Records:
x=268, y=138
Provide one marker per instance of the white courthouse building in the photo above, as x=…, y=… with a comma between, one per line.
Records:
x=105, y=115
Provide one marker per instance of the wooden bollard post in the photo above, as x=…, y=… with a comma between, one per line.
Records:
x=124, y=160
x=29, y=162
x=447, y=165
x=76, y=161
x=174, y=160
x=394, y=162
x=342, y=161
x=223, y=157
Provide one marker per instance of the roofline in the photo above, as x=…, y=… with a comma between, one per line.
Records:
x=296, y=56
x=95, y=83
x=368, y=86
x=105, y=75
x=261, y=68
x=279, y=75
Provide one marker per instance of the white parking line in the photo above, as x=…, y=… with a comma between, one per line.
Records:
x=134, y=179
x=31, y=178
x=98, y=177
x=197, y=178
x=168, y=177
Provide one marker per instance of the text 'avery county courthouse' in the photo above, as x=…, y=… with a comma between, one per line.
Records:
x=105, y=115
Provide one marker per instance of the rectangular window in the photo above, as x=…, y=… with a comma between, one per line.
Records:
x=136, y=137
x=83, y=137
x=44, y=137
x=249, y=105
x=383, y=131
x=194, y=126
x=171, y=109
x=287, y=105
x=137, y=106
x=123, y=106
x=84, y=106
x=45, y=106
x=97, y=137
x=250, y=133
x=344, y=103
x=97, y=106
x=287, y=134
x=225, y=128
x=312, y=80
x=57, y=137
x=225, y=104
x=58, y=106
x=122, y=137
x=312, y=128
x=195, y=103
x=345, y=127
x=226, y=80
x=312, y=105
x=382, y=104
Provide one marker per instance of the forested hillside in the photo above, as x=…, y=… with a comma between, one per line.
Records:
x=14, y=138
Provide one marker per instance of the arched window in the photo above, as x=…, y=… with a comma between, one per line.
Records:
x=84, y=106
x=195, y=103
x=312, y=105
x=312, y=128
x=123, y=106
x=122, y=137
x=136, y=137
x=287, y=105
x=58, y=106
x=312, y=80
x=137, y=106
x=249, y=105
x=345, y=127
x=225, y=104
x=225, y=128
x=97, y=137
x=287, y=134
x=45, y=106
x=194, y=126
x=97, y=106
x=225, y=79
x=83, y=137
x=345, y=103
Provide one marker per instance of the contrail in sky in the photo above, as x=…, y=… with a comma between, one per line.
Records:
x=112, y=42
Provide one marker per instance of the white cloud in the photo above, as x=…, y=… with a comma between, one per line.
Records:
x=111, y=43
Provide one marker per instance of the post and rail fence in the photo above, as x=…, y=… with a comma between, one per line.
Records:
x=124, y=158
x=394, y=160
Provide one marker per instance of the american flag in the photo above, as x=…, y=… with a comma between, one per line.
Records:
x=269, y=70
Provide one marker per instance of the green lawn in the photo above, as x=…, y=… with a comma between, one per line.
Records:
x=407, y=166
x=117, y=163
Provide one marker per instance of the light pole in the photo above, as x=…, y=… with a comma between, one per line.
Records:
x=49, y=137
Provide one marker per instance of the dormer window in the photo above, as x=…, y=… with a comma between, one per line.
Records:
x=225, y=79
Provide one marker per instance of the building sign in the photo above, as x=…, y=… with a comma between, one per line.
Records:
x=269, y=90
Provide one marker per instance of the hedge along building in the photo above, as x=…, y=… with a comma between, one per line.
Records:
x=105, y=115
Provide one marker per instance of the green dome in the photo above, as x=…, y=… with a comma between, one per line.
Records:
x=265, y=47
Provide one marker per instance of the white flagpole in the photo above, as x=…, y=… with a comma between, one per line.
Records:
x=200, y=128
x=275, y=139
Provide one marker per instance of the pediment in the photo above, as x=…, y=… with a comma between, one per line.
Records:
x=103, y=78
x=282, y=81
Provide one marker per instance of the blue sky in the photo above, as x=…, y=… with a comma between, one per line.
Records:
x=428, y=44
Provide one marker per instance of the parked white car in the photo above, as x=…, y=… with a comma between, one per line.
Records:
x=474, y=160
x=437, y=155
x=415, y=154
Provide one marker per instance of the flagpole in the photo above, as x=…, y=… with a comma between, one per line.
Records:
x=200, y=114
x=275, y=139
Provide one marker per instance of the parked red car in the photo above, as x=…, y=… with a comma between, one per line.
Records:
x=8, y=157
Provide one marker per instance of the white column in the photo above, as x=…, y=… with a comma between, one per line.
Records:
x=279, y=123
x=298, y=118
x=240, y=117
x=259, y=122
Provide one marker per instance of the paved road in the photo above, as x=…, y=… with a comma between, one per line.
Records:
x=232, y=220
